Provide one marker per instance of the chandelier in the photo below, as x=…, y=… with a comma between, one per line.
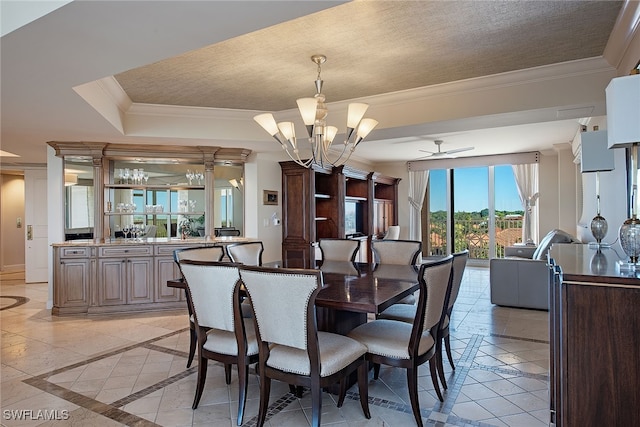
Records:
x=314, y=114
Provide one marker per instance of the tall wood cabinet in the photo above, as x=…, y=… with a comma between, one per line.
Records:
x=594, y=328
x=313, y=207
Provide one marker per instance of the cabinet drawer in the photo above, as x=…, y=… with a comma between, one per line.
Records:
x=74, y=252
x=167, y=250
x=107, y=251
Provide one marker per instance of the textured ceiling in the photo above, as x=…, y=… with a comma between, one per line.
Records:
x=375, y=47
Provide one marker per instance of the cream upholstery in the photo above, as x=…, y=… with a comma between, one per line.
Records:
x=291, y=348
x=339, y=249
x=406, y=252
x=209, y=253
x=249, y=253
x=213, y=292
x=408, y=345
x=393, y=233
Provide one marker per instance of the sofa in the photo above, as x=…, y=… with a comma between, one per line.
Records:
x=523, y=282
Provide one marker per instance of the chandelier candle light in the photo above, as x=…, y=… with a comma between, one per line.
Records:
x=623, y=126
x=314, y=113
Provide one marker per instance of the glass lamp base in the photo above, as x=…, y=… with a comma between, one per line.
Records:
x=630, y=238
x=599, y=228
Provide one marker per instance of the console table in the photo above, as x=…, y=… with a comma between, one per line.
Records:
x=594, y=321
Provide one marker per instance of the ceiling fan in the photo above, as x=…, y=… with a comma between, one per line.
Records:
x=441, y=153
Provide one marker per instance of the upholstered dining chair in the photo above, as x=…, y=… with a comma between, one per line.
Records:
x=409, y=345
x=209, y=253
x=291, y=349
x=405, y=252
x=214, y=291
x=247, y=253
x=407, y=313
x=339, y=249
x=393, y=233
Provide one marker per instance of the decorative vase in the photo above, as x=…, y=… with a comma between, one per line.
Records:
x=630, y=238
x=599, y=227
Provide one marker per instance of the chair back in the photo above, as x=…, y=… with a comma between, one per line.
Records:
x=339, y=249
x=283, y=304
x=405, y=252
x=247, y=253
x=435, y=281
x=213, y=290
x=393, y=233
x=208, y=253
x=459, y=264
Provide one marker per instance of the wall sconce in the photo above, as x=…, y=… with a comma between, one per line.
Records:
x=236, y=184
x=623, y=111
x=596, y=157
x=70, y=179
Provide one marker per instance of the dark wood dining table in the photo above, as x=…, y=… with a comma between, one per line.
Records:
x=351, y=291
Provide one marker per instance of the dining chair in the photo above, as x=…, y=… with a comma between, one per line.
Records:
x=406, y=252
x=247, y=253
x=209, y=253
x=339, y=249
x=407, y=313
x=214, y=291
x=409, y=345
x=291, y=349
x=393, y=233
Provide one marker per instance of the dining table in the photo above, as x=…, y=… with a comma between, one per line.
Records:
x=352, y=290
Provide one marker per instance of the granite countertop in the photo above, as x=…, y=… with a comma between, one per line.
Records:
x=154, y=241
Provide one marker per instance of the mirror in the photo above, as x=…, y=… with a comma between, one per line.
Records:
x=79, y=196
x=228, y=215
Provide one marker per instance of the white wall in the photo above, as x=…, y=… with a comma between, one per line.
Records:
x=266, y=176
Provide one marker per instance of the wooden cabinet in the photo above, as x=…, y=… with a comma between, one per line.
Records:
x=166, y=269
x=74, y=272
x=313, y=207
x=385, y=196
x=125, y=275
x=594, y=329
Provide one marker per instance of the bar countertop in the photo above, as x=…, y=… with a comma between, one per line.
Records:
x=155, y=241
x=581, y=263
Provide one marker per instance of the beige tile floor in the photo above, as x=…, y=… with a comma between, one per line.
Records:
x=131, y=370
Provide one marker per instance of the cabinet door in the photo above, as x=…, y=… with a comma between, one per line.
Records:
x=112, y=281
x=72, y=283
x=139, y=280
x=166, y=269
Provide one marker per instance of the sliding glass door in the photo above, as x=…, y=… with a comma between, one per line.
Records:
x=476, y=208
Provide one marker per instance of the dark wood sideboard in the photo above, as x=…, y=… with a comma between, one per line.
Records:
x=594, y=322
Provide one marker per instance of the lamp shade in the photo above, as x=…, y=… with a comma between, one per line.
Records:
x=596, y=156
x=623, y=111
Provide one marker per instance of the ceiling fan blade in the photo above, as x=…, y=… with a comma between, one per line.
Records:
x=459, y=150
x=427, y=151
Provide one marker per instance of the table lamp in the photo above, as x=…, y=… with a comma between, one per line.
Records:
x=596, y=157
x=623, y=127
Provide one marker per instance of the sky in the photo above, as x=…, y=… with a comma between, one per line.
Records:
x=472, y=194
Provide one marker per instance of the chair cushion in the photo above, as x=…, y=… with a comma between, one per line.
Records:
x=401, y=312
x=224, y=342
x=336, y=352
x=390, y=338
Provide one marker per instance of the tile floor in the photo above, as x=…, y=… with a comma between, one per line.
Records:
x=131, y=370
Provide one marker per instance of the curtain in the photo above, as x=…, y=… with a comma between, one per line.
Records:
x=526, y=176
x=417, y=188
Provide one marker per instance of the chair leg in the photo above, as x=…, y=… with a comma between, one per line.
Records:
x=447, y=346
x=202, y=376
x=193, y=342
x=363, y=388
x=243, y=380
x=316, y=404
x=439, y=366
x=265, y=389
x=343, y=391
x=434, y=377
x=227, y=373
x=412, y=382
x=297, y=391
x=376, y=371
